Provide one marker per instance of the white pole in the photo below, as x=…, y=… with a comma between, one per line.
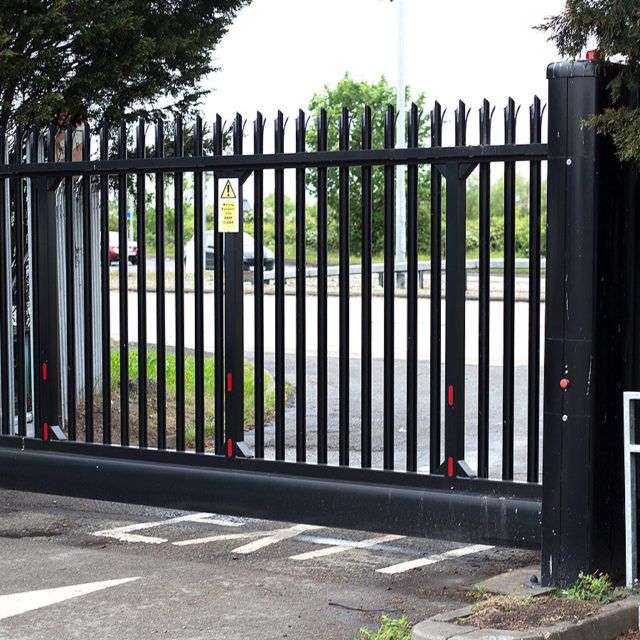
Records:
x=401, y=239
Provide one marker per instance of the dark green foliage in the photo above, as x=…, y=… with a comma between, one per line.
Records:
x=355, y=96
x=615, y=26
x=496, y=222
x=74, y=60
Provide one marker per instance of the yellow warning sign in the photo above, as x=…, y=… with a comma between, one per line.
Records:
x=228, y=192
x=229, y=206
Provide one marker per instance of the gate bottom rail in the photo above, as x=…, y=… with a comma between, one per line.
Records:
x=462, y=510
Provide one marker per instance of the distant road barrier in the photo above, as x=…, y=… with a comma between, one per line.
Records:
x=401, y=267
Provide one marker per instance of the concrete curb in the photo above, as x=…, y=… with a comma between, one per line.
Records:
x=613, y=620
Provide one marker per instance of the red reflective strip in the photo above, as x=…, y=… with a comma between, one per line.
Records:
x=451, y=395
x=229, y=447
x=450, y=467
x=228, y=382
x=44, y=370
x=46, y=431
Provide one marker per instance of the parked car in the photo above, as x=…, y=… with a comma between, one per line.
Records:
x=114, y=249
x=247, y=252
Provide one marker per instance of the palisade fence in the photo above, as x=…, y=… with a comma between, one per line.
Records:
x=85, y=344
x=405, y=414
x=141, y=410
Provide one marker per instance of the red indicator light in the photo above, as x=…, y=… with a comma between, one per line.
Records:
x=229, y=447
x=44, y=370
x=564, y=383
x=46, y=431
x=592, y=55
x=450, y=467
x=228, y=382
x=451, y=395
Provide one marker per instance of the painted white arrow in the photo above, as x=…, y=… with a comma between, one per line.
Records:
x=15, y=603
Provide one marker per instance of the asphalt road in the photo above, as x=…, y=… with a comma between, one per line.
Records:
x=471, y=413
x=190, y=576
x=377, y=344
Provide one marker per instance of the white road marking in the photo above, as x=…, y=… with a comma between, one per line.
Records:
x=124, y=533
x=228, y=536
x=439, y=557
x=350, y=544
x=275, y=537
x=268, y=537
x=17, y=603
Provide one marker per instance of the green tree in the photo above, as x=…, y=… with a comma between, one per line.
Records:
x=355, y=96
x=614, y=25
x=496, y=219
x=74, y=60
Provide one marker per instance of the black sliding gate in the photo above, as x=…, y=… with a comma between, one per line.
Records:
x=141, y=392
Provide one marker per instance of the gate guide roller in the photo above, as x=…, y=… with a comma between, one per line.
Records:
x=228, y=205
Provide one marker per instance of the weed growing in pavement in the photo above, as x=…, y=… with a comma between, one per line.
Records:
x=479, y=592
x=597, y=586
x=389, y=630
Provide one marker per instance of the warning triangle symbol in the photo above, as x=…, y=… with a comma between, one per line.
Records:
x=228, y=191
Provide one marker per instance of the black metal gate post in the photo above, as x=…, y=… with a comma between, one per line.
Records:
x=456, y=175
x=45, y=323
x=584, y=346
x=234, y=339
x=234, y=322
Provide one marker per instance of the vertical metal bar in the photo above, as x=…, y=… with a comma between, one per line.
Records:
x=31, y=260
x=367, y=212
x=509, y=296
x=345, y=230
x=142, y=290
x=389, y=291
x=435, y=374
x=258, y=288
x=533, y=398
x=323, y=414
x=412, y=295
x=160, y=294
x=484, y=206
x=218, y=275
x=178, y=141
x=280, y=283
x=198, y=235
x=105, y=286
x=123, y=248
x=301, y=312
x=7, y=285
x=6, y=330
x=20, y=291
x=46, y=293
x=455, y=306
x=234, y=321
x=87, y=253
x=35, y=204
x=629, y=402
x=69, y=266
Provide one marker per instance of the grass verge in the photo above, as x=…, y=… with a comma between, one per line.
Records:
x=171, y=406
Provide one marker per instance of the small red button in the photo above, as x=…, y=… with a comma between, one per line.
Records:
x=564, y=383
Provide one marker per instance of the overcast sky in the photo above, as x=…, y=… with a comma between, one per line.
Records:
x=278, y=53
